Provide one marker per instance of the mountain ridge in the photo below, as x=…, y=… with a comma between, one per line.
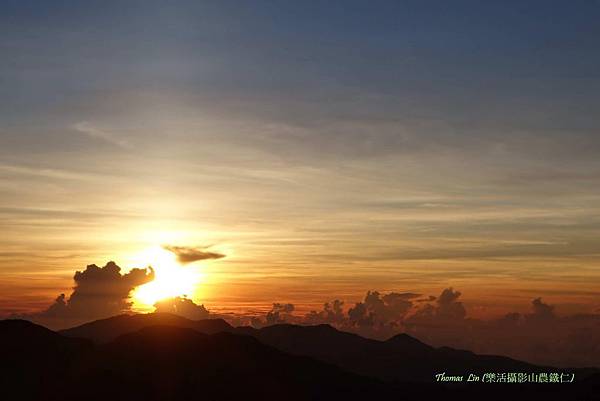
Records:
x=401, y=358
x=166, y=362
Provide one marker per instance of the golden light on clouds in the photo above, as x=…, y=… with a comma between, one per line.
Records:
x=171, y=278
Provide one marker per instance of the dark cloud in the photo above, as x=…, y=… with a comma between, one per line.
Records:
x=381, y=310
x=378, y=315
x=360, y=316
x=279, y=313
x=542, y=310
x=182, y=306
x=541, y=336
x=99, y=292
x=332, y=313
x=444, y=309
x=186, y=254
x=448, y=306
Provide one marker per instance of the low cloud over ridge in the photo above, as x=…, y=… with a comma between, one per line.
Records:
x=540, y=336
x=182, y=306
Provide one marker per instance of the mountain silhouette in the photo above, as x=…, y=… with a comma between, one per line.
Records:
x=105, y=330
x=163, y=363
x=168, y=361
x=34, y=359
x=165, y=357
x=401, y=358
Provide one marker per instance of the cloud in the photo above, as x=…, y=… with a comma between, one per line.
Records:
x=279, y=312
x=540, y=336
x=187, y=254
x=182, y=306
x=332, y=313
x=360, y=316
x=381, y=310
x=542, y=310
x=45, y=172
x=448, y=305
x=442, y=310
x=99, y=292
x=379, y=315
x=94, y=132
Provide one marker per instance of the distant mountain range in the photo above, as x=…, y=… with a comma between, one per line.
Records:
x=401, y=358
x=167, y=357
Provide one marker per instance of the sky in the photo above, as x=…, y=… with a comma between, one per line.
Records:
x=324, y=149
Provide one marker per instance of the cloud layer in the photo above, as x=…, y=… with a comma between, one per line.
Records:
x=540, y=336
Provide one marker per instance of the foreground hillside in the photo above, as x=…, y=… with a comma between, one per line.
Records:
x=169, y=358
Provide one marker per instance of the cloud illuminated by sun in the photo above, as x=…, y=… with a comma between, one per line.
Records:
x=171, y=278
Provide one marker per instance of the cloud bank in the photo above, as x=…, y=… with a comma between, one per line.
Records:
x=540, y=336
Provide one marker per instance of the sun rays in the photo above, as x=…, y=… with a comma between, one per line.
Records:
x=171, y=278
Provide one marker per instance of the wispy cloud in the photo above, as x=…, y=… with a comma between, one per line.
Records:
x=9, y=169
x=186, y=254
x=94, y=132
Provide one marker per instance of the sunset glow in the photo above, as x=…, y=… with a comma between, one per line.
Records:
x=171, y=278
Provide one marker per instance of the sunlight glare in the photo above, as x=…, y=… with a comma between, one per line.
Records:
x=171, y=279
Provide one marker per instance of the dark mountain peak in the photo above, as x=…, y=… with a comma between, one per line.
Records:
x=32, y=356
x=158, y=338
x=18, y=333
x=105, y=330
x=287, y=327
x=165, y=333
x=22, y=326
x=216, y=325
x=456, y=352
x=321, y=341
x=402, y=337
x=162, y=338
x=320, y=332
x=406, y=341
x=324, y=328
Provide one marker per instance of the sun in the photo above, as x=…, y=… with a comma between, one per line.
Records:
x=171, y=278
